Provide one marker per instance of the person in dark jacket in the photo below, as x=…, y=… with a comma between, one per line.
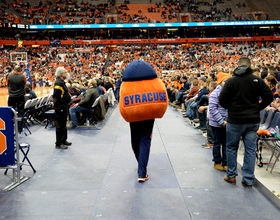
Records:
x=32, y=93
x=85, y=104
x=240, y=95
x=99, y=88
x=118, y=86
x=186, y=86
x=191, y=113
x=107, y=84
x=27, y=96
x=61, y=100
x=16, y=84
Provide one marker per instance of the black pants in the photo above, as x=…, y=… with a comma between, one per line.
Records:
x=61, y=120
x=141, y=136
x=17, y=103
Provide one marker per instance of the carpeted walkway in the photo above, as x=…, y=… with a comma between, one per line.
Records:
x=96, y=178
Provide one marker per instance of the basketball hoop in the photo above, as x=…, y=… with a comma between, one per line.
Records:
x=18, y=57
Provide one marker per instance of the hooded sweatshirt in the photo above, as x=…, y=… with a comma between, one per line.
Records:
x=240, y=95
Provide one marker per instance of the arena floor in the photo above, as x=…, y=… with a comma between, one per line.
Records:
x=96, y=178
x=40, y=91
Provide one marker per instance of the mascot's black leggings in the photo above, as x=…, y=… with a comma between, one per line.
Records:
x=141, y=136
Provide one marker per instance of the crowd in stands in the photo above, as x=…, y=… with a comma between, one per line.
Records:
x=74, y=12
x=28, y=11
x=89, y=60
x=85, y=12
x=212, y=13
x=6, y=17
x=43, y=62
x=148, y=13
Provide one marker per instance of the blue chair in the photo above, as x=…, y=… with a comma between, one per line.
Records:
x=263, y=138
x=50, y=115
x=23, y=124
x=89, y=114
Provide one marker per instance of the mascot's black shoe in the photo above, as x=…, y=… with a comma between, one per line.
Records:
x=67, y=143
x=143, y=179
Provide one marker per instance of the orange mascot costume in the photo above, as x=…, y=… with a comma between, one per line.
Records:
x=143, y=98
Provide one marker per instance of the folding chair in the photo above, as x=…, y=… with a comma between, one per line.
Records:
x=27, y=104
x=27, y=107
x=49, y=99
x=24, y=148
x=105, y=97
x=90, y=112
x=23, y=123
x=50, y=114
x=262, y=137
x=276, y=152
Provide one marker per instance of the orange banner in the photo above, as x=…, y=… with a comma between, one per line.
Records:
x=65, y=42
x=29, y=43
x=8, y=42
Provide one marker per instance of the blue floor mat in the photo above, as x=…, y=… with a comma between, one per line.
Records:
x=99, y=125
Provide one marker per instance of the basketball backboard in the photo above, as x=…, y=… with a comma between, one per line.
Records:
x=18, y=57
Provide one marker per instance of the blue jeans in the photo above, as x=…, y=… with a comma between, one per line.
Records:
x=73, y=111
x=249, y=134
x=188, y=103
x=178, y=95
x=219, y=135
x=192, y=110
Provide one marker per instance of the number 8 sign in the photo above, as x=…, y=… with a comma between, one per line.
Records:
x=7, y=151
x=3, y=142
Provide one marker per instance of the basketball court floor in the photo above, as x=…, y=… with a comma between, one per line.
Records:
x=40, y=91
x=96, y=178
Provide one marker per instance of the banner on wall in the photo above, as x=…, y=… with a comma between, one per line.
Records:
x=55, y=43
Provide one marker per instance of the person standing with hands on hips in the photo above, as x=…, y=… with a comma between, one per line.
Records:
x=240, y=95
x=61, y=100
x=143, y=98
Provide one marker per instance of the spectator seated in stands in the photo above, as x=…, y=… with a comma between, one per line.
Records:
x=271, y=81
x=194, y=90
x=183, y=90
x=192, y=111
x=31, y=92
x=84, y=13
x=148, y=13
x=76, y=90
x=108, y=84
x=27, y=96
x=118, y=86
x=202, y=106
x=173, y=88
x=85, y=104
x=101, y=90
x=275, y=105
